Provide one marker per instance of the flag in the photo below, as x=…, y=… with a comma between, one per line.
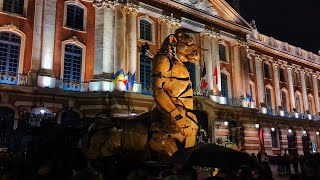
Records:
x=117, y=76
x=204, y=83
x=215, y=74
x=127, y=81
x=133, y=77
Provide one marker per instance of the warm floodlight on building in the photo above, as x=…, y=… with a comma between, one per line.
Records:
x=304, y=132
x=317, y=133
x=226, y=123
x=289, y=131
x=273, y=129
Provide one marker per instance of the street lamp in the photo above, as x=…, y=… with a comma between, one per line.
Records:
x=273, y=129
x=226, y=123
x=304, y=132
x=317, y=133
x=289, y=131
x=257, y=126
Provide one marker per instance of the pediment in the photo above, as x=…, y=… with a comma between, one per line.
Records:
x=201, y=5
x=218, y=8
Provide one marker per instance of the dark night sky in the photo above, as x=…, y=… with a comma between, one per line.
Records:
x=294, y=21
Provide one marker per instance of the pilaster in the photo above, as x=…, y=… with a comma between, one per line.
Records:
x=46, y=77
x=260, y=84
x=304, y=89
x=316, y=91
x=291, y=90
x=276, y=83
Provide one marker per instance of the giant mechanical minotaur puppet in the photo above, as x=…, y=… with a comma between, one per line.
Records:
x=173, y=93
x=172, y=125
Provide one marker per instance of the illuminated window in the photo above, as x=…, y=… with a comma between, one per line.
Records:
x=224, y=85
x=145, y=30
x=13, y=6
x=72, y=66
x=75, y=17
x=9, y=56
x=222, y=53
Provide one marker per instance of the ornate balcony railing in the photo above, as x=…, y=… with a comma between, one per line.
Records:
x=72, y=85
x=14, y=79
x=234, y=102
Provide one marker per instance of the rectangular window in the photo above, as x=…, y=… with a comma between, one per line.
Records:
x=224, y=85
x=266, y=71
x=282, y=75
x=75, y=16
x=296, y=78
x=13, y=6
x=222, y=53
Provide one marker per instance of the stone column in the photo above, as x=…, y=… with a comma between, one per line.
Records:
x=132, y=11
x=238, y=90
x=120, y=38
x=132, y=51
x=276, y=84
x=216, y=59
x=260, y=84
x=316, y=92
x=304, y=90
x=206, y=39
x=103, y=49
x=291, y=90
x=36, y=48
x=46, y=77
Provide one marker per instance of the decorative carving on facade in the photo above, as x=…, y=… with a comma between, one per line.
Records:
x=131, y=8
x=202, y=5
x=102, y=4
x=210, y=34
x=171, y=21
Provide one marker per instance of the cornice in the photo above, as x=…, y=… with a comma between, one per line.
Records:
x=210, y=18
x=267, y=48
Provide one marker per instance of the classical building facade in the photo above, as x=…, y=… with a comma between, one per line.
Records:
x=62, y=54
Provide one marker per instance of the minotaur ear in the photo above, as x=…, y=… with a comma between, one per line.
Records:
x=172, y=40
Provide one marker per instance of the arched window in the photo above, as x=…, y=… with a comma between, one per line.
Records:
x=268, y=98
x=298, y=103
x=282, y=75
x=222, y=53
x=274, y=137
x=224, y=85
x=72, y=66
x=13, y=6
x=284, y=101
x=145, y=73
x=145, y=30
x=310, y=104
x=9, y=56
x=75, y=17
x=6, y=125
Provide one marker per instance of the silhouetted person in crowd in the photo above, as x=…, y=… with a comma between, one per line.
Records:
x=311, y=169
x=259, y=157
x=287, y=163
x=301, y=160
x=254, y=156
x=295, y=163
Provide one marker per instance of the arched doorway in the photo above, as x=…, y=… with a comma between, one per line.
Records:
x=70, y=118
x=292, y=142
x=6, y=125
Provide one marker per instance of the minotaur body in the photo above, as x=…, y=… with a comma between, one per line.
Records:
x=173, y=94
